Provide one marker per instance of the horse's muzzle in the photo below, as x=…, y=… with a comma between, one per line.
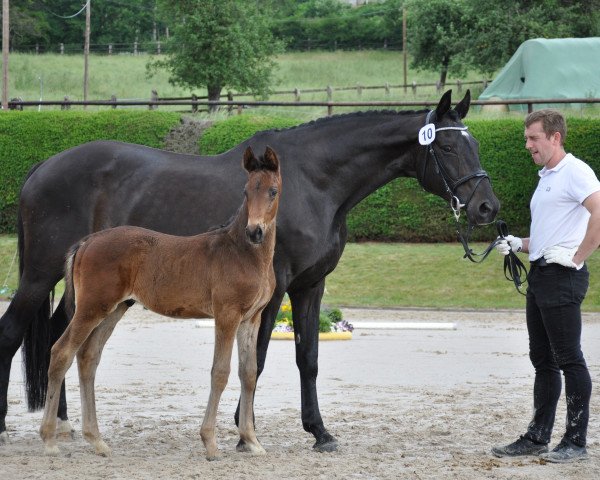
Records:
x=255, y=234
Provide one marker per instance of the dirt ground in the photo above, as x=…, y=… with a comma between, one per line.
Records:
x=410, y=404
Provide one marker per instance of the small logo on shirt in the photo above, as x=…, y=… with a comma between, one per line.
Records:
x=548, y=189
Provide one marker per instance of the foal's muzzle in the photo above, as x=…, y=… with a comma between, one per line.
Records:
x=255, y=234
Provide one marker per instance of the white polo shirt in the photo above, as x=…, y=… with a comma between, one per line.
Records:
x=557, y=214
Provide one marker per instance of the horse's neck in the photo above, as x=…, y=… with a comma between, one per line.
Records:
x=362, y=157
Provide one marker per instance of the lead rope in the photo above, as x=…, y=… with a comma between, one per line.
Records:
x=514, y=269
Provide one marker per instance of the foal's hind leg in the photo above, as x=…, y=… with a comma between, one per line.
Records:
x=88, y=358
x=246, y=340
x=62, y=355
x=226, y=324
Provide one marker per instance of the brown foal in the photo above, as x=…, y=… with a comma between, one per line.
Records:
x=226, y=274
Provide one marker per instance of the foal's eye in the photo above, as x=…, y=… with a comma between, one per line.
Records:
x=272, y=192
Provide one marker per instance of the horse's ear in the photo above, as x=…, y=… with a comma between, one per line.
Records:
x=444, y=105
x=250, y=162
x=271, y=162
x=463, y=107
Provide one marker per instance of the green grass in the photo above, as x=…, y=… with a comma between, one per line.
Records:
x=403, y=275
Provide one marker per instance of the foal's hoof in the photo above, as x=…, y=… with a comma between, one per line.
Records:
x=326, y=443
x=64, y=431
x=51, y=451
x=213, y=458
x=253, y=449
x=4, y=438
x=102, y=449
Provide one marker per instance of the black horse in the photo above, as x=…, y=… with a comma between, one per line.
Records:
x=328, y=166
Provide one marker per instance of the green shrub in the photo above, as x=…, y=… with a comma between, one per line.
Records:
x=226, y=134
x=29, y=137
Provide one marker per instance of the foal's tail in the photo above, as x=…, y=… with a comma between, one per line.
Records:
x=69, y=287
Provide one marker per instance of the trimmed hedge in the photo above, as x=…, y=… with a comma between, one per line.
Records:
x=402, y=211
x=29, y=137
x=399, y=211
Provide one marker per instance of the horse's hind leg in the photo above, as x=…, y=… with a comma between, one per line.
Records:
x=88, y=358
x=246, y=340
x=226, y=324
x=61, y=357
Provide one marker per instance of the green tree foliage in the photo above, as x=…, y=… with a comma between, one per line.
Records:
x=224, y=44
x=437, y=29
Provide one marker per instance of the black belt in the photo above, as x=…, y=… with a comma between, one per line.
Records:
x=540, y=262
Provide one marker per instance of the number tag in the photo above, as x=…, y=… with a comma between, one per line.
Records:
x=427, y=134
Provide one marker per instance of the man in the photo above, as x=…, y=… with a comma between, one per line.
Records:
x=565, y=230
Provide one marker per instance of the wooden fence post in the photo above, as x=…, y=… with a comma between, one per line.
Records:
x=194, y=105
x=62, y=48
x=229, y=99
x=158, y=47
x=329, y=93
x=359, y=89
x=135, y=48
x=438, y=86
x=387, y=89
x=240, y=109
x=65, y=106
x=110, y=47
x=296, y=94
x=113, y=98
x=458, y=86
x=414, y=87
x=153, y=98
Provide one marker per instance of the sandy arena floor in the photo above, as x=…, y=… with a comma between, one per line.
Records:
x=410, y=404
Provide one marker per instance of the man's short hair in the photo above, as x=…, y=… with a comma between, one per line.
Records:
x=552, y=122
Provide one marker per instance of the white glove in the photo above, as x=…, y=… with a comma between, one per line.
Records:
x=561, y=255
x=509, y=243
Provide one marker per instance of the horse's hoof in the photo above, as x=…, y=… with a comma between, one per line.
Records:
x=4, y=438
x=327, y=443
x=51, y=451
x=213, y=458
x=252, y=449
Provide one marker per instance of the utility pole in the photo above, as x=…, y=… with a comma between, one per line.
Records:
x=5, y=45
x=86, y=52
x=404, y=53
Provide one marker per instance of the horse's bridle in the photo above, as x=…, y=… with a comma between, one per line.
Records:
x=514, y=269
x=451, y=185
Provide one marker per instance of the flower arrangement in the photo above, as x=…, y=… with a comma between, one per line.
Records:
x=330, y=320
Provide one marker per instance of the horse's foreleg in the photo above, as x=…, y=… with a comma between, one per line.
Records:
x=61, y=358
x=306, y=305
x=88, y=358
x=264, y=336
x=24, y=307
x=226, y=324
x=246, y=340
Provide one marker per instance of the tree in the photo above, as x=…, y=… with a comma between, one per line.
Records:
x=499, y=28
x=436, y=32
x=219, y=44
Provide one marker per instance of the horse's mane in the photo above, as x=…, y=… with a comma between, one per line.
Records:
x=331, y=118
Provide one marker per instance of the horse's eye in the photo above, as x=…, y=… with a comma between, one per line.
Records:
x=447, y=148
x=272, y=192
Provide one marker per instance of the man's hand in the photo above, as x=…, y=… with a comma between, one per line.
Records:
x=509, y=243
x=562, y=255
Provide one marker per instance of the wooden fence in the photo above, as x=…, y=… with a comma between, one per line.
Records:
x=240, y=104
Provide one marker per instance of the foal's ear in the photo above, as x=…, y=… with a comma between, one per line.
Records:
x=271, y=162
x=463, y=107
x=444, y=105
x=250, y=162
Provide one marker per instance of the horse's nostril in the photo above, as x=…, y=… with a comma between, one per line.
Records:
x=255, y=235
x=485, y=208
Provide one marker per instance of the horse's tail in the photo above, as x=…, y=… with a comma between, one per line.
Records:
x=38, y=334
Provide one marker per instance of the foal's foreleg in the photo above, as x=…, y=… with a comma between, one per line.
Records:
x=247, y=371
x=226, y=324
x=88, y=359
x=61, y=357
